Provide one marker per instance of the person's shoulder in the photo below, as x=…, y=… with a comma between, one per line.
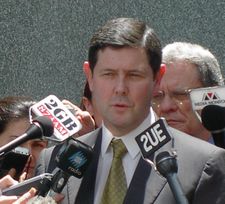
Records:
x=192, y=144
x=90, y=137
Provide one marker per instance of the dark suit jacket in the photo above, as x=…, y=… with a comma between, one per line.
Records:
x=201, y=171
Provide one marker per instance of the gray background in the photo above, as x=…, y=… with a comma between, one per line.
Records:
x=43, y=43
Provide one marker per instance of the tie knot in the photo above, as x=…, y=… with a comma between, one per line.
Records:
x=119, y=149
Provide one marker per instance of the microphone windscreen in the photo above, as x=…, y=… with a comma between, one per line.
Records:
x=166, y=163
x=213, y=117
x=162, y=155
x=46, y=125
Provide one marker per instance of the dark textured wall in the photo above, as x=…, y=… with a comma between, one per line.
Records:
x=43, y=43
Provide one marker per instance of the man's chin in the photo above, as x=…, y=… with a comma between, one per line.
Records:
x=177, y=125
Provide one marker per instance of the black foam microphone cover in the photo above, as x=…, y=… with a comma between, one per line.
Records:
x=165, y=163
x=213, y=118
x=46, y=125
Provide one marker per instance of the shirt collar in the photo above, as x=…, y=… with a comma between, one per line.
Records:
x=128, y=139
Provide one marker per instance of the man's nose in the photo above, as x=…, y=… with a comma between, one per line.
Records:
x=121, y=86
x=167, y=104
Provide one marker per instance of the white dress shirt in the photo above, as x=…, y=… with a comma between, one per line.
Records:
x=130, y=160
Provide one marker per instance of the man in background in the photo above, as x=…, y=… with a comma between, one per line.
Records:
x=188, y=66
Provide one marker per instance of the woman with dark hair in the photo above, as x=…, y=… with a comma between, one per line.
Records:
x=14, y=121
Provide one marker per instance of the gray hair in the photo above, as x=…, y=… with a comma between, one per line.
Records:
x=206, y=63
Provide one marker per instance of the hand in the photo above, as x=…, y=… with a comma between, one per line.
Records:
x=12, y=172
x=88, y=123
x=7, y=181
x=25, y=197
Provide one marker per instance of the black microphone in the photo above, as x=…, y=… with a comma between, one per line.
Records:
x=41, y=126
x=72, y=159
x=213, y=119
x=167, y=167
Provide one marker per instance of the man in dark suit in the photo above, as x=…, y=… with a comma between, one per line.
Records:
x=123, y=73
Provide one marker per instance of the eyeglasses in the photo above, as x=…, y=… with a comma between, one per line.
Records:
x=178, y=97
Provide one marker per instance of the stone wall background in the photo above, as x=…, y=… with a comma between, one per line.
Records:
x=43, y=43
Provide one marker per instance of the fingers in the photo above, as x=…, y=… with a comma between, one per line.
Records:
x=12, y=172
x=58, y=197
x=23, y=177
x=7, y=181
x=73, y=108
x=25, y=197
x=8, y=199
x=85, y=118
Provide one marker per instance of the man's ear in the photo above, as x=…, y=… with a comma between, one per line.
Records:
x=88, y=105
x=158, y=78
x=160, y=74
x=88, y=73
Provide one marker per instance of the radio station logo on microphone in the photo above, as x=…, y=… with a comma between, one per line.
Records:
x=78, y=159
x=207, y=96
x=65, y=123
x=153, y=138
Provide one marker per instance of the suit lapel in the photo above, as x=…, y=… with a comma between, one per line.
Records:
x=154, y=186
x=145, y=185
x=135, y=193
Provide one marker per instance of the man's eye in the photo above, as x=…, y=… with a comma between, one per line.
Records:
x=135, y=75
x=180, y=95
x=108, y=74
x=158, y=94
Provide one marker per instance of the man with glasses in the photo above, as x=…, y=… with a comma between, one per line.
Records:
x=188, y=66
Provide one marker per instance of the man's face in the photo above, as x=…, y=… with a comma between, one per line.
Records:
x=122, y=86
x=173, y=102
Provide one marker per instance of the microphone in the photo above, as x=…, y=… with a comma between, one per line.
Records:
x=64, y=122
x=72, y=159
x=205, y=96
x=213, y=119
x=41, y=126
x=167, y=167
x=153, y=138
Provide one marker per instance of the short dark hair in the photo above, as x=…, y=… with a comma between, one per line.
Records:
x=122, y=32
x=14, y=108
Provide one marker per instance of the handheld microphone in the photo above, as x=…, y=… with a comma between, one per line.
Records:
x=205, y=96
x=64, y=122
x=72, y=159
x=41, y=126
x=167, y=167
x=213, y=119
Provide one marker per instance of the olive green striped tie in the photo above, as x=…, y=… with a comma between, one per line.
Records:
x=116, y=185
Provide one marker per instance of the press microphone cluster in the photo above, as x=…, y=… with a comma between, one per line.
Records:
x=73, y=158
x=213, y=119
x=41, y=126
